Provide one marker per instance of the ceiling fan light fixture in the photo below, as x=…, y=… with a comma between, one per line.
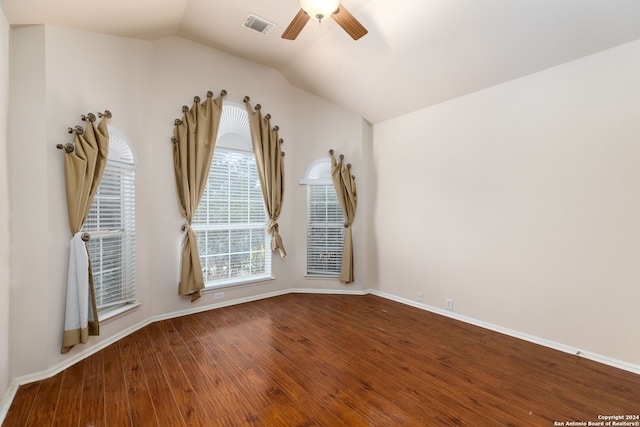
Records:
x=319, y=9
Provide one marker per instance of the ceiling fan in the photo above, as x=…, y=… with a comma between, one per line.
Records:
x=321, y=9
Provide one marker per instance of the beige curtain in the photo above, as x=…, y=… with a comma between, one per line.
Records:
x=194, y=139
x=84, y=163
x=270, y=165
x=345, y=185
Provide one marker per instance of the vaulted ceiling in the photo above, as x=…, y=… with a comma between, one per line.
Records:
x=417, y=53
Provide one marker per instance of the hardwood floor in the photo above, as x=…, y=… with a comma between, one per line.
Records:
x=324, y=360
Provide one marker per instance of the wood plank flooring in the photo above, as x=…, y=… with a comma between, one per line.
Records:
x=324, y=360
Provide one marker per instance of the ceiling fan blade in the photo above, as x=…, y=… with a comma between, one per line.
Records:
x=349, y=23
x=296, y=25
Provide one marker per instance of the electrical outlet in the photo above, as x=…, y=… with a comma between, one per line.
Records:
x=218, y=295
x=420, y=296
x=449, y=304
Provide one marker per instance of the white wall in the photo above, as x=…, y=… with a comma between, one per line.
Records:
x=61, y=74
x=321, y=126
x=5, y=237
x=182, y=70
x=521, y=202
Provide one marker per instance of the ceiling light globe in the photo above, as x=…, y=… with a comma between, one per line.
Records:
x=319, y=9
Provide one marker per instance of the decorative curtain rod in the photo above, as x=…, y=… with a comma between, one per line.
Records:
x=342, y=158
x=185, y=109
x=92, y=117
x=267, y=116
x=78, y=130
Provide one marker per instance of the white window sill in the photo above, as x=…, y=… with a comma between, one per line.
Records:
x=107, y=315
x=321, y=277
x=236, y=284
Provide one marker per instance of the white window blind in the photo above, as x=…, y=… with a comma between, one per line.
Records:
x=111, y=224
x=325, y=230
x=230, y=222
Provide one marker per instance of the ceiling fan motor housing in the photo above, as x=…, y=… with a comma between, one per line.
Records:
x=320, y=9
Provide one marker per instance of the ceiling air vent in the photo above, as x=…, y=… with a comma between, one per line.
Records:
x=258, y=24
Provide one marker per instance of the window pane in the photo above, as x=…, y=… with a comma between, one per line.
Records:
x=111, y=225
x=230, y=220
x=325, y=231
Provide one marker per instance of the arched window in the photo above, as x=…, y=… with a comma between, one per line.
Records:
x=230, y=222
x=325, y=223
x=111, y=224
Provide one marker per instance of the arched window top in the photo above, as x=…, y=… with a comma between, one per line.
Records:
x=120, y=151
x=234, y=119
x=234, y=131
x=318, y=172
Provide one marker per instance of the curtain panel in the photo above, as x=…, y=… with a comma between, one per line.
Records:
x=270, y=165
x=194, y=140
x=345, y=185
x=84, y=163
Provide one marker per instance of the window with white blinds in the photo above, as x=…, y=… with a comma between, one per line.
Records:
x=325, y=223
x=325, y=231
x=111, y=224
x=230, y=222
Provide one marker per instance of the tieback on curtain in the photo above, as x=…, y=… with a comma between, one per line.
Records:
x=272, y=225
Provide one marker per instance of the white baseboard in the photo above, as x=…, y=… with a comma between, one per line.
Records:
x=6, y=400
x=220, y=304
x=8, y=397
x=328, y=291
x=526, y=337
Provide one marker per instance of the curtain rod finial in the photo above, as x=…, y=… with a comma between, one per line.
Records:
x=77, y=130
x=66, y=147
x=90, y=116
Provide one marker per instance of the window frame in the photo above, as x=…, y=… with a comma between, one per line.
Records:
x=234, y=139
x=318, y=176
x=119, y=176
